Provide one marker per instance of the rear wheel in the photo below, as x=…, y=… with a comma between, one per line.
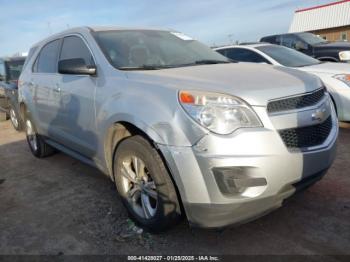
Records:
x=144, y=184
x=15, y=120
x=36, y=143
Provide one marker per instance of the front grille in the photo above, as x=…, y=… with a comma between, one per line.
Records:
x=307, y=136
x=296, y=102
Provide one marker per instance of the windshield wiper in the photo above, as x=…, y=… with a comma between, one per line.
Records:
x=143, y=67
x=211, y=62
x=158, y=67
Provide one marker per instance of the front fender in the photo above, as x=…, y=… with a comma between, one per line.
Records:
x=155, y=111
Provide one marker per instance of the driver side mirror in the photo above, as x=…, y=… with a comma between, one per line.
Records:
x=76, y=66
x=300, y=46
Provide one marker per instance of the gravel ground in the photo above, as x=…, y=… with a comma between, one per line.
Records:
x=61, y=206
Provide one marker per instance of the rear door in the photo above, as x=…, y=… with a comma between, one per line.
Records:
x=74, y=121
x=42, y=85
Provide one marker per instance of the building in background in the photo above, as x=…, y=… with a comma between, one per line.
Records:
x=330, y=21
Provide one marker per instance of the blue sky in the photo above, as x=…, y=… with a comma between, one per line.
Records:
x=23, y=23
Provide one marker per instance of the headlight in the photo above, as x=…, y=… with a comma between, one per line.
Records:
x=221, y=114
x=344, y=55
x=344, y=78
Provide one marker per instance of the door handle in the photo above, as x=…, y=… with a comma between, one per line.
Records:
x=57, y=89
x=30, y=86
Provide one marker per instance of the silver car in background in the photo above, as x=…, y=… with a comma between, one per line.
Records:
x=179, y=128
x=335, y=76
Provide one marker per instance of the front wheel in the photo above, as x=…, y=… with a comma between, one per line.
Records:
x=144, y=185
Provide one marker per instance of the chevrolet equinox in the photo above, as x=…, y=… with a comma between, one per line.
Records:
x=181, y=130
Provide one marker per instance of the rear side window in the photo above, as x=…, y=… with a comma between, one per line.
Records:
x=245, y=55
x=74, y=47
x=47, y=60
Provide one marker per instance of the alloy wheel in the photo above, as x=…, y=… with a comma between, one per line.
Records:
x=13, y=118
x=139, y=187
x=31, y=135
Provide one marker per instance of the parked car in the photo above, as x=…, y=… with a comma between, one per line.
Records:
x=180, y=129
x=313, y=45
x=335, y=76
x=10, y=70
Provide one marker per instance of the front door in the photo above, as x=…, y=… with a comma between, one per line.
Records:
x=74, y=122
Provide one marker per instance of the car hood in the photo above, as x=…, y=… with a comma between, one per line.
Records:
x=335, y=45
x=254, y=83
x=328, y=68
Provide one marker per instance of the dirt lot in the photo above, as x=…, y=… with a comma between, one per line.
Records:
x=61, y=206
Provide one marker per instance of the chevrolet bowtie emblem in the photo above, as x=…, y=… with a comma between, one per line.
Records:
x=319, y=114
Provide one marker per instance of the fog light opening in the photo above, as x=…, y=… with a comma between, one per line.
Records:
x=235, y=180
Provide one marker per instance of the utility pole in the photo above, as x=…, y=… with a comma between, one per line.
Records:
x=230, y=38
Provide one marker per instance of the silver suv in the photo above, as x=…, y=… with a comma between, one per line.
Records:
x=180, y=129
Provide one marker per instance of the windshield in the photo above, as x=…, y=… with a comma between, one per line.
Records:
x=14, y=69
x=287, y=56
x=312, y=39
x=149, y=49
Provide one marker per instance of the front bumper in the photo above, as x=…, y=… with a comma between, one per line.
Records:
x=259, y=151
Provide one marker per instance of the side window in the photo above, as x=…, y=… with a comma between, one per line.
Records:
x=278, y=40
x=245, y=55
x=222, y=51
x=31, y=53
x=47, y=59
x=269, y=39
x=2, y=69
x=344, y=36
x=289, y=41
x=74, y=47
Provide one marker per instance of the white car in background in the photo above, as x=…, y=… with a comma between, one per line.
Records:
x=335, y=76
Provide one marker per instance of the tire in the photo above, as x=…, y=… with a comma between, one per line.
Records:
x=36, y=143
x=16, y=120
x=149, y=195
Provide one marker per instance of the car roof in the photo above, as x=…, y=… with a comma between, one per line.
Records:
x=243, y=46
x=116, y=28
x=297, y=33
x=14, y=58
x=89, y=29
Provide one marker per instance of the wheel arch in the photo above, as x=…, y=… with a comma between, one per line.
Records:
x=328, y=59
x=122, y=130
x=119, y=131
x=334, y=103
x=22, y=110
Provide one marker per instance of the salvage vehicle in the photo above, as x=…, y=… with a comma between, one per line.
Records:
x=181, y=130
x=312, y=45
x=335, y=76
x=10, y=70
